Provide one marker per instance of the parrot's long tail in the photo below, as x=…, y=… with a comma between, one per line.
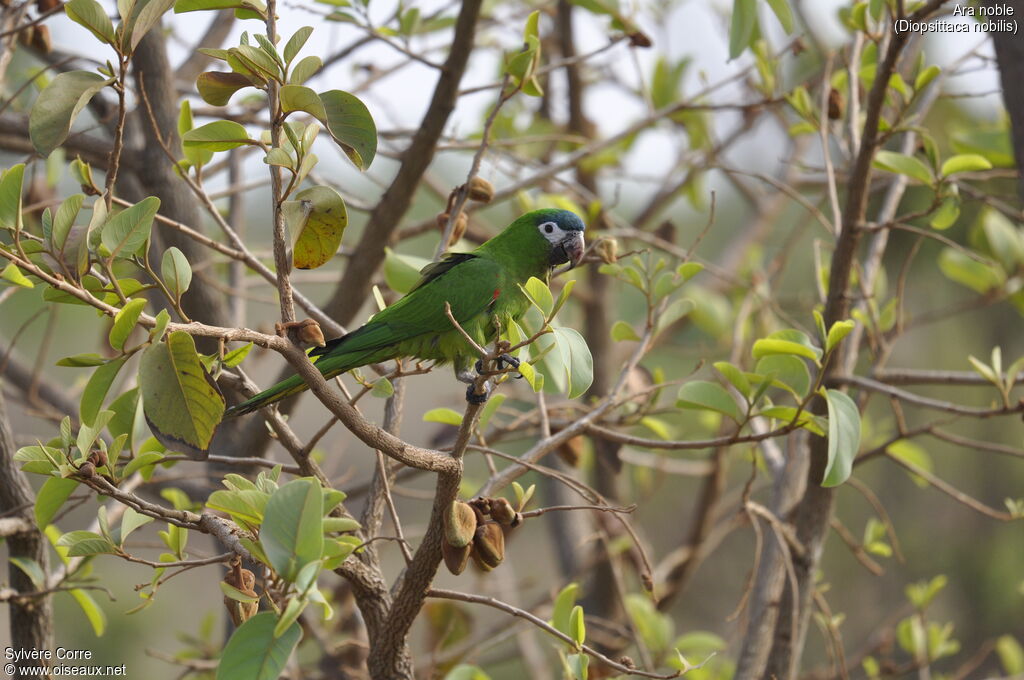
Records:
x=285, y=388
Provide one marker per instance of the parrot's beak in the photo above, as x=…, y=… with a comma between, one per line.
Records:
x=569, y=250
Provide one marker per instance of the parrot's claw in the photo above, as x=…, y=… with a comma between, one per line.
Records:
x=500, y=363
x=508, y=359
x=473, y=398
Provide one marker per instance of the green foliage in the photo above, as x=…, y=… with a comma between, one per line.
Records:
x=175, y=272
x=291, y=534
x=843, y=437
x=183, y=404
x=125, y=234
x=256, y=651
x=58, y=105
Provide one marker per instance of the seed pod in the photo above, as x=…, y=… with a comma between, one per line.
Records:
x=480, y=190
x=309, y=334
x=489, y=544
x=502, y=511
x=455, y=558
x=41, y=39
x=458, y=229
x=87, y=470
x=608, y=250
x=460, y=524
x=571, y=451
x=835, y=104
x=244, y=581
x=639, y=39
x=98, y=458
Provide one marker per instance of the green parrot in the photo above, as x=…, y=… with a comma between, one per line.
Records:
x=479, y=286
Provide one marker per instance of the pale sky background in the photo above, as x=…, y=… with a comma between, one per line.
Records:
x=694, y=28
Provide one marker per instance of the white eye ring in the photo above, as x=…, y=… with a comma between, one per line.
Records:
x=547, y=227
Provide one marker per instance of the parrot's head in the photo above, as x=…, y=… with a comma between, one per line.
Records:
x=562, y=230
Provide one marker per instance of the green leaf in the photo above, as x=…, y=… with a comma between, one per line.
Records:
x=244, y=9
x=965, y=162
x=236, y=356
x=903, y=164
x=91, y=609
x=181, y=401
x=83, y=543
x=489, y=409
x=220, y=135
x=82, y=360
x=90, y=14
x=839, y=330
x=38, y=459
x=254, y=653
x=88, y=433
x=305, y=69
x=317, y=219
x=565, y=603
x=124, y=322
x=916, y=455
x=946, y=214
x=1011, y=655
x=978, y=276
x=141, y=461
x=382, y=388
x=577, y=627
x=788, y=370
x=768, y=346
x=443, y=415
x=10, y=197
x=63, y=220
x=539, y=293
x=157, y=332
x=843, y=437
x=132, y=520
x=175, y=271
x=576, y=358
x=1005, y=239
x=292, y=532
x=291, y=613
x=246, y=506
x=13, y=274
x=295, y=43
x=623, y=331
x=783, y=13
x=743, y=27
x=351, y=125
x=31, y=569
x=332, y=524
x=125, y=233
x=402, y=272
x=51, y=497
x=96, y=390
x=735, y=376
x=142, y=19
x=57, y=106
x=926, y=76
x=705, y=395
x=466, y=672
x=789, y=414
x=217, y=87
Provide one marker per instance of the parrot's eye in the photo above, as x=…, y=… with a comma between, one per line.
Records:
x=548, y=228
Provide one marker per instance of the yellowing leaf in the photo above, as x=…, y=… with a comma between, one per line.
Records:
x=181, y=401
x=317, y=219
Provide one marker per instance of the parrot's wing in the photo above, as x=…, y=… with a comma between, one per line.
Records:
x=467, y=282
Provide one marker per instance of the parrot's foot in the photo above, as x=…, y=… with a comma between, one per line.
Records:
x=500, y=363
x=473, y=398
